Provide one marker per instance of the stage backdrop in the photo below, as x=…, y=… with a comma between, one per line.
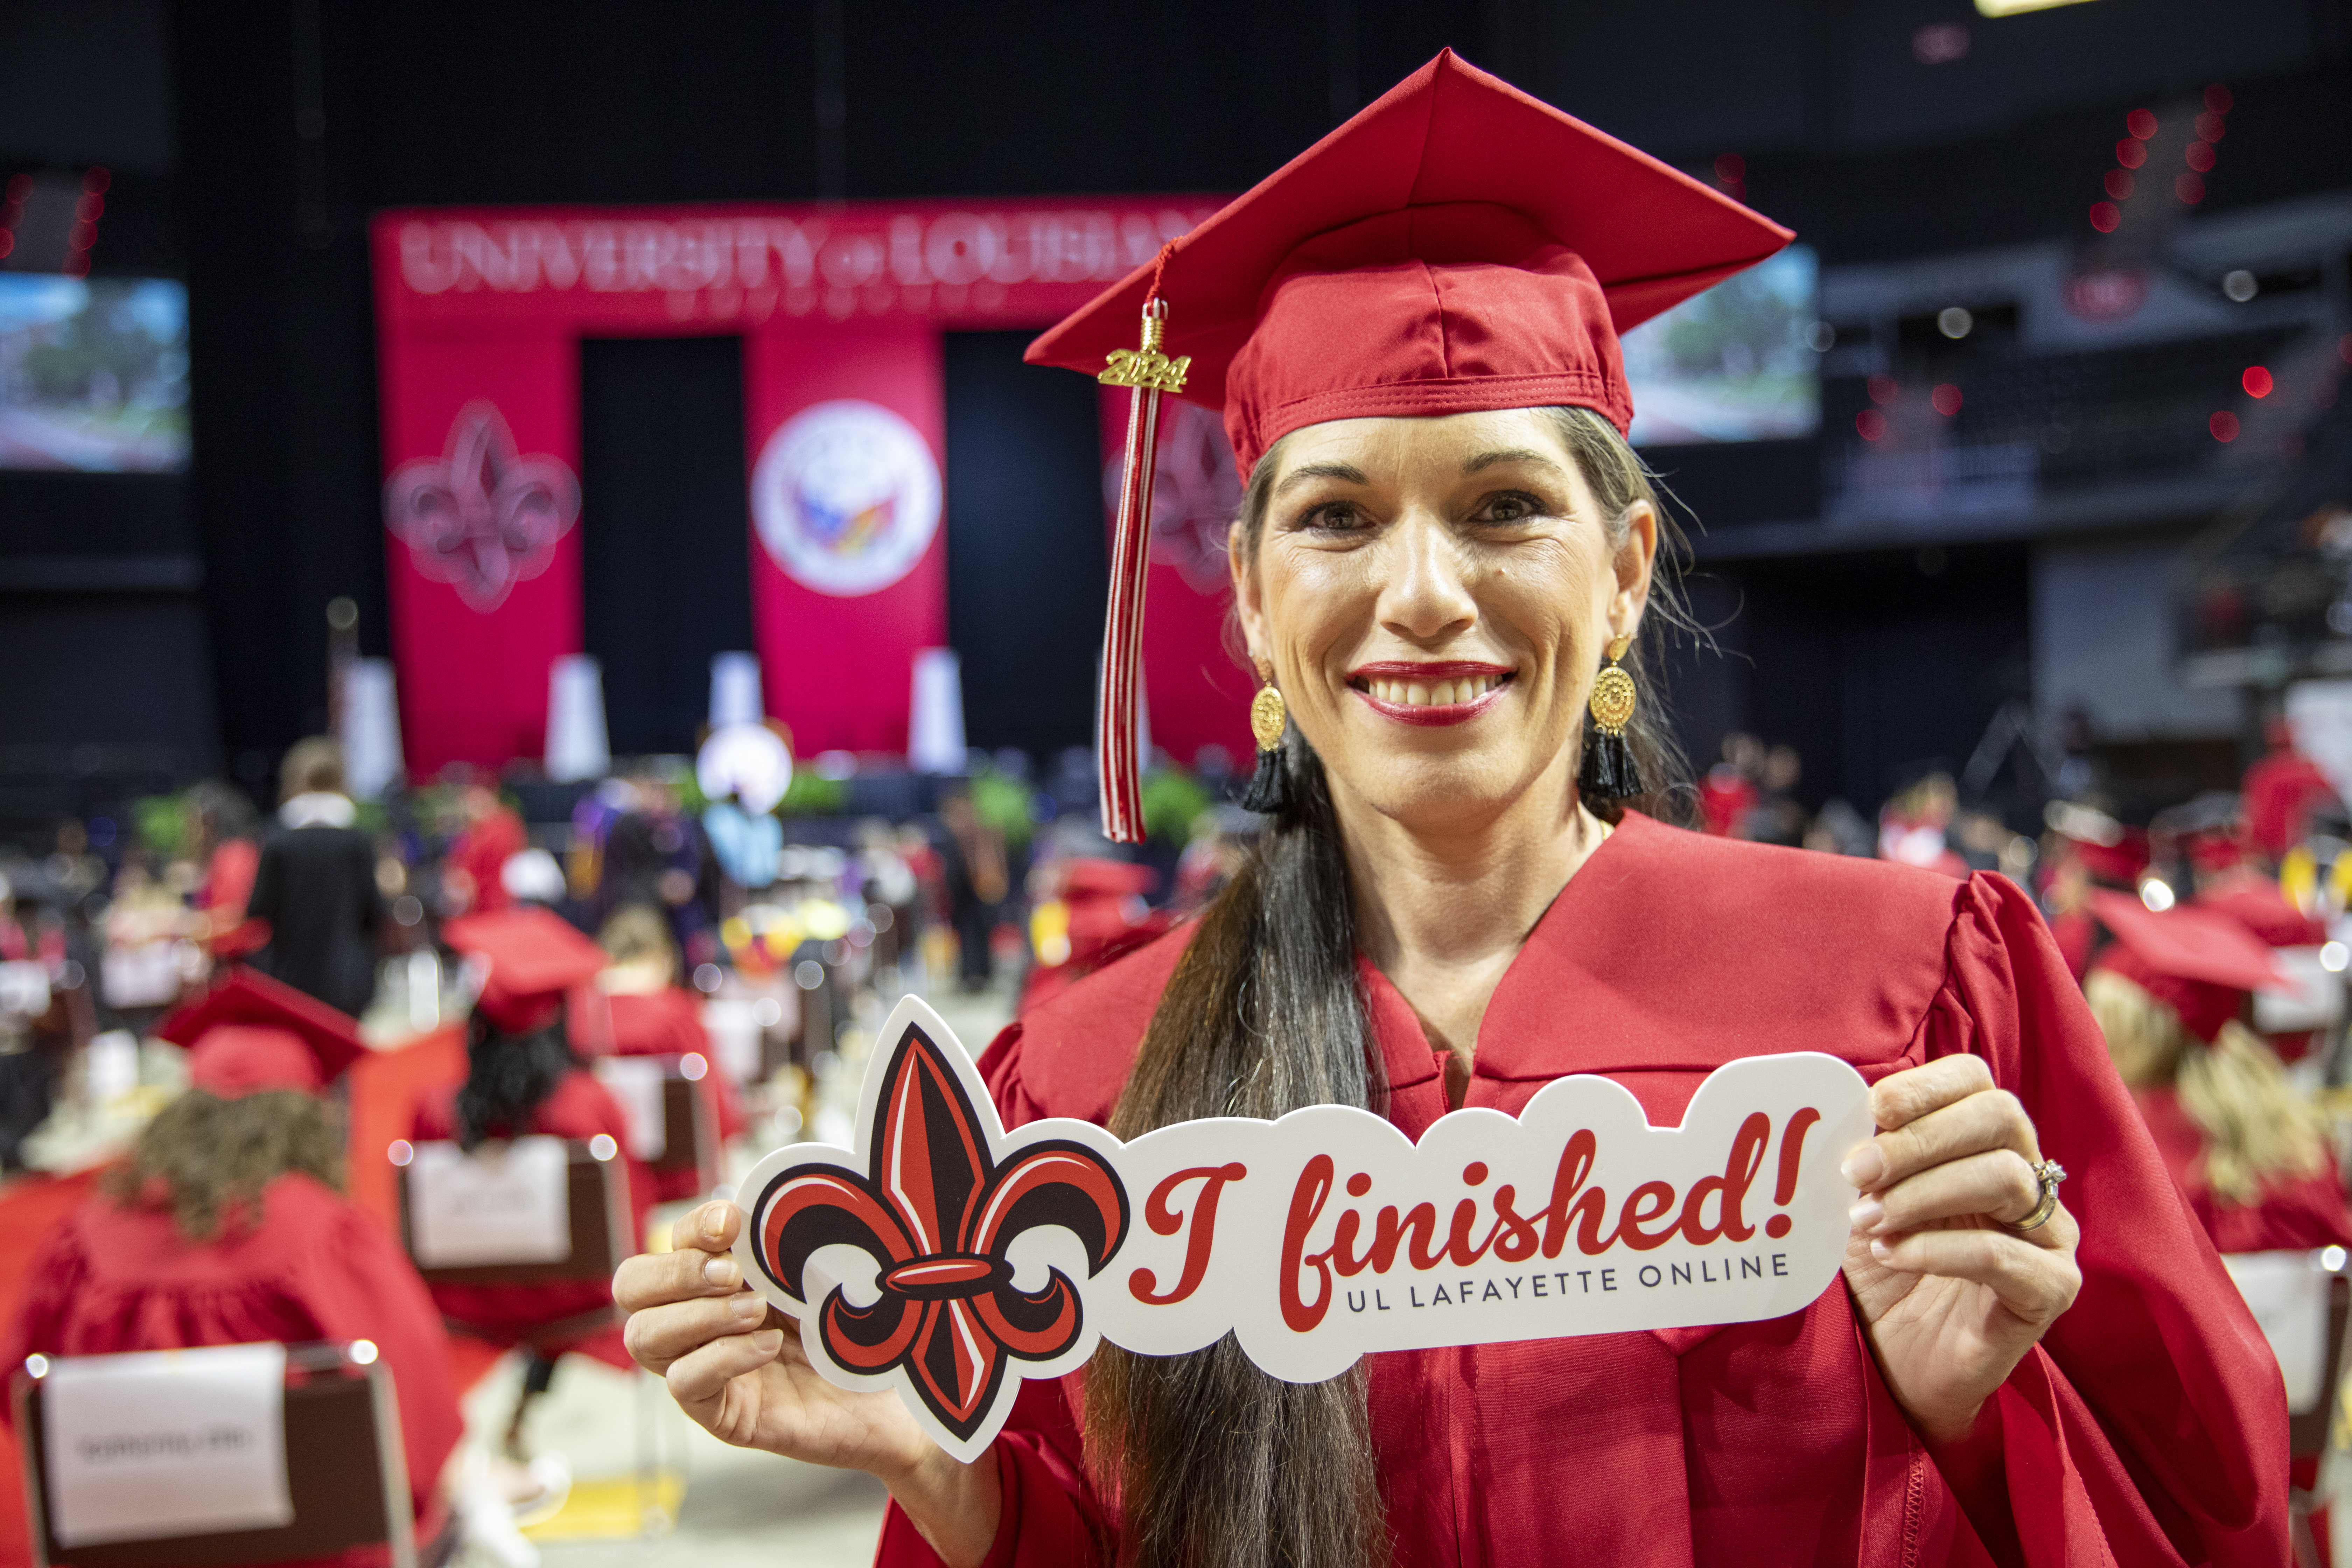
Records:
x=479, y=313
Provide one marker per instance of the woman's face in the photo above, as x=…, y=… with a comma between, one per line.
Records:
x=1435, y=596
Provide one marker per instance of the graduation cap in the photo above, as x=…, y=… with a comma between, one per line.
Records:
x=2198, y=961
x=2263, y=909
x=2108, y=850
x=1457, y=246
x=250, y=1033
x=532, y=958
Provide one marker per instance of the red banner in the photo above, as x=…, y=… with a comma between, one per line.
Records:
x=848, y=563
x=1196, y=692
x=479, y=314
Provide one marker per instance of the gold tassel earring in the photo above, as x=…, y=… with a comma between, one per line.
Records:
x=1269, y=786
x=1608, y=771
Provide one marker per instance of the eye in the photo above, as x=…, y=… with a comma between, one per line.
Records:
x=1509, y=507
x=1331, y=516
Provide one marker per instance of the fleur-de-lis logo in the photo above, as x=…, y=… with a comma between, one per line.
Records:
x=936, y=1207
x=480, y=517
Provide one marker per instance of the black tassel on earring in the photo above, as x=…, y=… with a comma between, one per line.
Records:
x=1609, y=772
x=1268, y=793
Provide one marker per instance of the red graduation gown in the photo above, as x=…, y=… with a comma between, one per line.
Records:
x=317, y=1266
x=2292, y=1215
x=2149, y=1424
x=580, y=1108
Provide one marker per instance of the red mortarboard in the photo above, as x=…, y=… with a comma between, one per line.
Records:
x=534, y=958
x=2263, y=909
x=233, y=1060
x=2199, y=962
x=1457, y=246
x=238, y=1034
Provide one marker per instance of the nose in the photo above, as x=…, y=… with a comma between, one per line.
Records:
x=1426, y=594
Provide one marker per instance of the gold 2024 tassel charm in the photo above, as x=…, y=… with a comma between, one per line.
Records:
x=1149, y=372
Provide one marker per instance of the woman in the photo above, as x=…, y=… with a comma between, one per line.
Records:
x=225, y=839
x=2248, y=1153
x=1444, y=542
x=654, y=1016
x=523, y=1078
x=228, y=1226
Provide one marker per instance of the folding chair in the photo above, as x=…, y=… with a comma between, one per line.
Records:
x=596, y=1202
x=690, y=1121
x=2301, y=1300
x=674, y=1099
x=346, y=1473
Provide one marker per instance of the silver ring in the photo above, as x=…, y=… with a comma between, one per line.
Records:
x=2048, y=1173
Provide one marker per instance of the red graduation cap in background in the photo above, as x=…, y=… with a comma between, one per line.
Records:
x=2200, y=962
x=250, y=1033
x=533, y=958
x=2263, y=909
x=1458, y=246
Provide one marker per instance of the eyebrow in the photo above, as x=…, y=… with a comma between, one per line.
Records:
x=1513, y=454
x=1305, y=471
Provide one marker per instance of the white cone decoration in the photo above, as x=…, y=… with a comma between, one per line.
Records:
x=576, y=743
x=735, y=696
x=371, y=737
x=935, y=724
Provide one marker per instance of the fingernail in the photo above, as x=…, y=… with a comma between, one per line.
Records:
x=1864, y=1216
x=748, y=1306
x=719, y=1271
x=714, y=1224
x=1882, y=1251
x=768, y=1342
x=1865, y=1166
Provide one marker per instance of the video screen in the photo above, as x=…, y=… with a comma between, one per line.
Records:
x=1730, y=364
x=93, y=373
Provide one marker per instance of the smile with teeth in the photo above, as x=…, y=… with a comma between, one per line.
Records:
x=1432, y=694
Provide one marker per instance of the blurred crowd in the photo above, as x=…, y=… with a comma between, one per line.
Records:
x=188, y=998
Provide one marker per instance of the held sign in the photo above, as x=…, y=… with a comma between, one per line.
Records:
x=948, y=1259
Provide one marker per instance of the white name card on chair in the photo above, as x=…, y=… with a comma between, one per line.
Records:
x=166, y=1443
x=2288, y=1294
x=506, y=1202
x=25, y=988
x=636, y=1082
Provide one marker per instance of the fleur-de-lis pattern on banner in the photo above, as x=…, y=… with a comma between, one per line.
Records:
x=937, y=1209
x=481, y=517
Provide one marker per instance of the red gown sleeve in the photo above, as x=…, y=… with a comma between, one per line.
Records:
x=2294, y=1214
x=1050, y=1517
x=372, y=1292
x=2149, y=1427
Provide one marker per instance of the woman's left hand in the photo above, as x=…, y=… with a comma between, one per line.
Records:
x=1951, y=1297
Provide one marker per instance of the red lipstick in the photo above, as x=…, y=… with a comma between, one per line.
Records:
x=1427, y=673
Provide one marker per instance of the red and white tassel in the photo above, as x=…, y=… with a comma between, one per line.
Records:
x=1118, y=767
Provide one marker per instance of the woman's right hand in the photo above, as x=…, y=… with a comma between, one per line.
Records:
x=735, y=1365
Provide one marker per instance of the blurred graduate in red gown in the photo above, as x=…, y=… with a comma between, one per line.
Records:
x=652, y=1016
x=2248, y=1153
x=228, y=1226
x=523, y=1078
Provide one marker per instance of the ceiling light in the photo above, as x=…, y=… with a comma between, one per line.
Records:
x=2014, y=7
x=1954, y=322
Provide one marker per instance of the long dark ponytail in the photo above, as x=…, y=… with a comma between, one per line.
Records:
x=1212, y=1463
x=508, y=1077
